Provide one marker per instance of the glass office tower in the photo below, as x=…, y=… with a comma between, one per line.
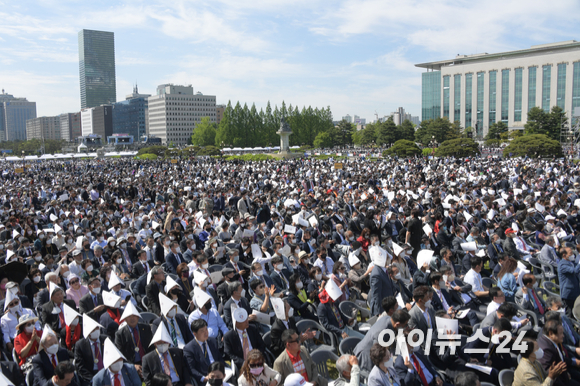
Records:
x=97, y=68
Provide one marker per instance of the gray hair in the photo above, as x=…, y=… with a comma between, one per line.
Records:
x=342, y=364
x=50, y=275
x=233, y=287
x=98, y=247
x=45, y=337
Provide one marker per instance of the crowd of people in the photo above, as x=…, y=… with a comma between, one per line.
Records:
x=210, y=272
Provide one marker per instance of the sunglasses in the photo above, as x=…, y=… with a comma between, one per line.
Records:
x=261, y=286
x=293, y=341
x=256, y=365
x=342, y=268
x=75, y=281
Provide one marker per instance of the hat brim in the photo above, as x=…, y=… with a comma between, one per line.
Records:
x=34, y=319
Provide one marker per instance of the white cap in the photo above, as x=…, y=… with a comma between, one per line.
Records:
x=166, y=304
x=9, y=298
x=111, y=300
x=89, y=326
x=240, y=315
x=170, y=283
x=130, y=309
x=352, y=259
x=199, y=277
x=69, y=314
x=114, y=280
x=161, y=335
x=53, y=287
x=296, y=380
x=111, y=354
x=550, y=217
x=201, y=297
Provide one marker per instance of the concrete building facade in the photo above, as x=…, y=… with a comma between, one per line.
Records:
x=131, y=115
x=70, y=126
x=97, y=120
x=219, y=113
x=479, y=90
x=43, y=128
x=14, y=112
x=175, y=111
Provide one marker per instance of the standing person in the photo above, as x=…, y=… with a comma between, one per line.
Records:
x=414, y=233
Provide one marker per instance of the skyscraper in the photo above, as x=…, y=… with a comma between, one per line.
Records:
x=97, y=68
x=14, y=112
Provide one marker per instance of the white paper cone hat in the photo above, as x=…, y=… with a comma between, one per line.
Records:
x=130, y=309
x=9, y=298
x=201, y=297
x=199, y=277
x=333, y=290
x=353, y=259
x=170, y=283
x=161, y=335
x=57, y=228
x=46, y=331
x=89, y=326
x=53, y=287
x=9, y=254
x=166, y=304
x=111, y=300
x=114, y=280
x=111, y=354
x=69, y=314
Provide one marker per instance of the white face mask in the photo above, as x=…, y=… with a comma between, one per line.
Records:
x=124, y=245
x=119, y=261
x=427, y=303
x=116, y=367
x=95, y=334
x=89, y=268
x=97, y=290
x=15, y=309
x=113, y=243
x=259, y=273
x=318, y=277
x=162, y=347
x=41, y=237
x=29, y=329
x=398, y=276
x=36, y=279
x=539, y=353
x=52, y=349
x=290, y=312
x=388, y=363
x=299, y=285
x=279, y=267
x=171, y=313
x=243, y=293
x=205, y=266
x=66, y=274
x=70, y=241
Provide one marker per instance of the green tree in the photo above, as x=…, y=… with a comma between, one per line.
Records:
x=459, y=147
x=204, y=133
x=344, y=132
x=365, y=136
x=440, y=129
x=533, y=145
x=496, y=129
x=323, y=140
x=403, y=148
x=406, y=130
x=386, y=132
x=541, y=122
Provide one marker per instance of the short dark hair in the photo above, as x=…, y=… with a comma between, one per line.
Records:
x=401, y=316
x=475, y=261
x=436, y=277
x=217, y=365
x=160, y=379
x=388, y=303
x=467, y=378
x=508, y=310
x=377, y=353
x=276, y=259
x=64, y=368
x=528, y=279
x=420, y=292
x=503, y=324
x=494, y=291
x=287, y=335
x=254, y=284
x=198, y=324
x=529, y=347
x=551, y=327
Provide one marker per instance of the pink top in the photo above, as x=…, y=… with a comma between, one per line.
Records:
x=76, y=295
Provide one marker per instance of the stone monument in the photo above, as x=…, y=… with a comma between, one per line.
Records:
x=284, y=133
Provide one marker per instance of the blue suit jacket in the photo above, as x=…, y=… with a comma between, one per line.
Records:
x=195, y=359
x=381, y=287
x=413, y=379
x=42, y=366
x=172, y=263
x=568, y=275
x=130, y=376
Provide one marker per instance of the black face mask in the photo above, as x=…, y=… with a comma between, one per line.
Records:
x=208, y=306
x=215, y=382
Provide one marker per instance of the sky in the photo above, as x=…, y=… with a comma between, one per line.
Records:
x=356, y=56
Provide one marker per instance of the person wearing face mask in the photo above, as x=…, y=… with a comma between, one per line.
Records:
x=383, y=372
x=48, y=247
x=115, y=371
x=202, y=268
x=568, y=272
x=52, y=312
x=295, y=364
x=175, y=323
x=530, y=371
x=173, y=258
x=44, y=363
x=201, y=352
x=551, y=343
x=255, y=372
x=234, y=263
x=216, y=375
x=422, y=314
x=278, y=275
x=571, y=337
x=166, y=359
x=36, y=284
x=76, y=290
x=341, y=280
x=27, y=342
x=89, y=351
x=71, y=334
x=154, y=288
x=207, y=312
x=529, y=298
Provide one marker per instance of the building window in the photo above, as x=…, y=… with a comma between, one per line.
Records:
x=457, y=97
x=468, y=98
x=505, y=95
x=446, y=96
x=546, y=84
x=561, y=86
x=492, y=96
x=518, y=95
x=480, y=95
x=576, y=87
x=532, y=81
